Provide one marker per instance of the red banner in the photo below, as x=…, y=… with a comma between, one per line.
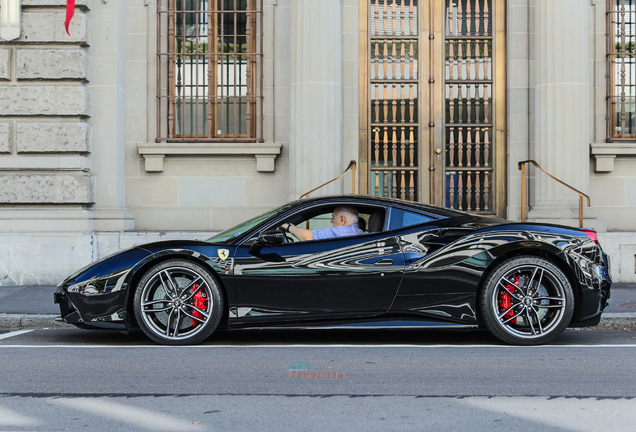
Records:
x=70, y=11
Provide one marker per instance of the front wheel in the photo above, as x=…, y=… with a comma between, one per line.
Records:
x=178, y=302
x=527, y=301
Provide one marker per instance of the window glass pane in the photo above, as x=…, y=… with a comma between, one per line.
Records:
x=232, y=67
x=403, y=218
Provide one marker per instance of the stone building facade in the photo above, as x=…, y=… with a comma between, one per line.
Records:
x=85, y=169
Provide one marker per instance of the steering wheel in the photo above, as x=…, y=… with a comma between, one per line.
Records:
x=285, y=238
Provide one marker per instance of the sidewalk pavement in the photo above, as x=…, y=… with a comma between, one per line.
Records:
x=32, y=307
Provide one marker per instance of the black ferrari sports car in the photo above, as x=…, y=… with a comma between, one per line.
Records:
x=415, y=265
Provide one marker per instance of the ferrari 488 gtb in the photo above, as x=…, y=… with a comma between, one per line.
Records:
x=413, y=265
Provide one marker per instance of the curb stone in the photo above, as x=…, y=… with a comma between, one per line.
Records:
x=13, y=322
x=617, y=321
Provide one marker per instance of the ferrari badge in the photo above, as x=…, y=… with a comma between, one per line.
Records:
x=223, y=253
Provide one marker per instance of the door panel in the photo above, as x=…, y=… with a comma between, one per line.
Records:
x=348, y=277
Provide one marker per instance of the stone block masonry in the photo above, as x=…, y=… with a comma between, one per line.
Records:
x=5, y=137
x=48, y=27
x=45, y=188
x=50, y=64
x=5, y=64
x=44, y=100
x=52, y=137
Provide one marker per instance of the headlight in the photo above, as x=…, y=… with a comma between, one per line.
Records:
x=100, y=285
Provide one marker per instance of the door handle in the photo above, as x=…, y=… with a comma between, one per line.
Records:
x=384, y=262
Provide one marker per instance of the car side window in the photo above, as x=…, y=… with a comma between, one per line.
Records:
x=401, y=218
x=371, y=219
x=322, y=221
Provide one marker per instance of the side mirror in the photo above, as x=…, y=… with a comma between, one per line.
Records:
x=270, y=239
x=267, y=239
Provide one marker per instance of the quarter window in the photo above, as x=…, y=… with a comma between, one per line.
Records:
x=403, y=218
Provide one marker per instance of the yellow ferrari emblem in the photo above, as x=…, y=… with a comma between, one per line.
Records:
x=223, y=253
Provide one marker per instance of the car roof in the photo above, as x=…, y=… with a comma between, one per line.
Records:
x=384, y=201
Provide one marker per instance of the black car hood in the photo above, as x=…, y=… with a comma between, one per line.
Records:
x=176, y=244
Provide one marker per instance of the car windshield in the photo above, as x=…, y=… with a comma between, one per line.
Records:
x=231, y=233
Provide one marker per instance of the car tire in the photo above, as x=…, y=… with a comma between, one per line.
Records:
x=527, y=301
x=178, y=302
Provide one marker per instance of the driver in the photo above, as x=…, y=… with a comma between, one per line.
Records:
x=343, y=219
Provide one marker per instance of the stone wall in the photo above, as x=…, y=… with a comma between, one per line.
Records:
x=45, y=142
x=621, y=248
x=48, y=258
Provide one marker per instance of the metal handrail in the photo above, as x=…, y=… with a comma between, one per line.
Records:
x=352, y=167
x=522, y=167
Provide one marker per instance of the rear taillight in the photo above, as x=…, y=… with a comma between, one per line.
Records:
x=591, y=234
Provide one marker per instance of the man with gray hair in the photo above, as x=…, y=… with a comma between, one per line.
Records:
x=343, y=219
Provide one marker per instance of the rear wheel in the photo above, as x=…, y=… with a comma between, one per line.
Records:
x=178, y=302
x=527, y=301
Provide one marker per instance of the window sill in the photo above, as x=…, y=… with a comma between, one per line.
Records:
x=605, y=154
x=154, y=153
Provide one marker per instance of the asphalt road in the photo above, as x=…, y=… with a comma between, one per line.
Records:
x=319, y=380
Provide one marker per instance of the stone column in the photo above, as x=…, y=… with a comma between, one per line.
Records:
x=316, y=96
x=518, y=60
x=560, y=97
x=108, y=96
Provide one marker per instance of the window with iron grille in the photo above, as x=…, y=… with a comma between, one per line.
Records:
x=621, y=109
x=209, y=69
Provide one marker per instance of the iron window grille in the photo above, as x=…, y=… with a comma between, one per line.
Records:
x=209, y=71
x=621, y=109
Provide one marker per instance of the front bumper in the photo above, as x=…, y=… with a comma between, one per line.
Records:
x=68, y=312
x=71, y=315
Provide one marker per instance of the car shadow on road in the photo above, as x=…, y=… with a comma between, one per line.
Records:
x=319, y=337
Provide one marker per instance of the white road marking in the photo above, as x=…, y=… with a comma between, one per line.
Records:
x=14, y=333
x=318, y=346
x=567, y=414
x=134, y=416
x=12, y=418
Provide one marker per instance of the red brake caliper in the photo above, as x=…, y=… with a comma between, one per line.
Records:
x=505, y=301
x=200, y=301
